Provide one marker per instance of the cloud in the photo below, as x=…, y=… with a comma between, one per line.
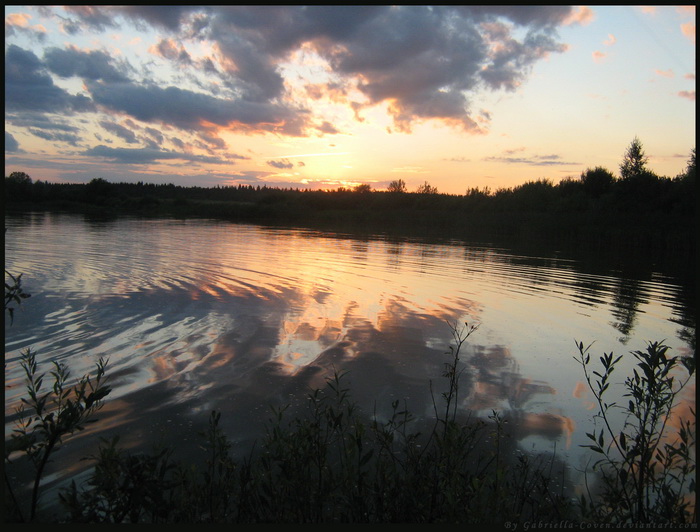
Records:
x=11, y=144
x=425, y=65
x=53, y=136
x=146, y=155
x=664, y=73
x=18, y=23
x=190, y=110
x=93, y=65
x=421, y=62
x=210, y=141
x=250, y=72
x=47, y=127
x=688, y=29
x=119, y=131
x=599, y=56
x=534, y=160
x=690, y=95
x=29, y=87
x=526, y=16
x=92, y=16
x=74, y=170
x=581, y=15
x=169, y=49
x=41, y=121
x=327, y=128
x=283, y=164
x=167, y=17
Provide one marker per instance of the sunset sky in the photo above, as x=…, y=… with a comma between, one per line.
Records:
x=323, y=97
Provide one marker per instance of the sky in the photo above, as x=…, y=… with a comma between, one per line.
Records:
x=323, y=97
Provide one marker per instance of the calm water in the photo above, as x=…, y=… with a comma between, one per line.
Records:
x=200, y=315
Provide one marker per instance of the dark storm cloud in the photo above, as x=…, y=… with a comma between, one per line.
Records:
x=29, y=87
x=92, y=65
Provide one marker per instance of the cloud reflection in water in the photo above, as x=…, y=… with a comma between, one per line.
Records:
x=199, y=315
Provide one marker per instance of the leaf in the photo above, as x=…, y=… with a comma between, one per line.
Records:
x=623, y=475
x=594, y=448
x=689, y=364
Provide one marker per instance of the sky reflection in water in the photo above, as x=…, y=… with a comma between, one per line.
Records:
x=197, y=315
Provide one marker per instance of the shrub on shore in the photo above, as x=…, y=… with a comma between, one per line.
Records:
x=335, y=464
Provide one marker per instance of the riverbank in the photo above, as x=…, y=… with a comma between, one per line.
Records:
x=647, y=213
x=669, y=238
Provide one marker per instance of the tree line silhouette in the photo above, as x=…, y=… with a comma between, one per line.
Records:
x=637, y=207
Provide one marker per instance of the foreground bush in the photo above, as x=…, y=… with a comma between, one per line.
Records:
x=334, y=464
x=46, y=417
x=648, y=473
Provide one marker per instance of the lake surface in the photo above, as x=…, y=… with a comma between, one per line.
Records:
x=199, y=315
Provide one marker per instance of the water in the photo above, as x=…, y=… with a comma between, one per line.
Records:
x=200, y=315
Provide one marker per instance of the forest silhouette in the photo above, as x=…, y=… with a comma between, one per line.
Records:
x=637, y=210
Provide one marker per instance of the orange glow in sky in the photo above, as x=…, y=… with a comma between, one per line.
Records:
x=328, y=96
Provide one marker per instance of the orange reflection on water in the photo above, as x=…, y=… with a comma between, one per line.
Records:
x=201, y=315
x=581, y=391
x=550, y=426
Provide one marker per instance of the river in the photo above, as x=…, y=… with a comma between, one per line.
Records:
x=200, y=315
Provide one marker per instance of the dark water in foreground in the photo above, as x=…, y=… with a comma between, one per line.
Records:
x=200, y=315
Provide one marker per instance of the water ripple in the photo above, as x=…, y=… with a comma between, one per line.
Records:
x=202, y=314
